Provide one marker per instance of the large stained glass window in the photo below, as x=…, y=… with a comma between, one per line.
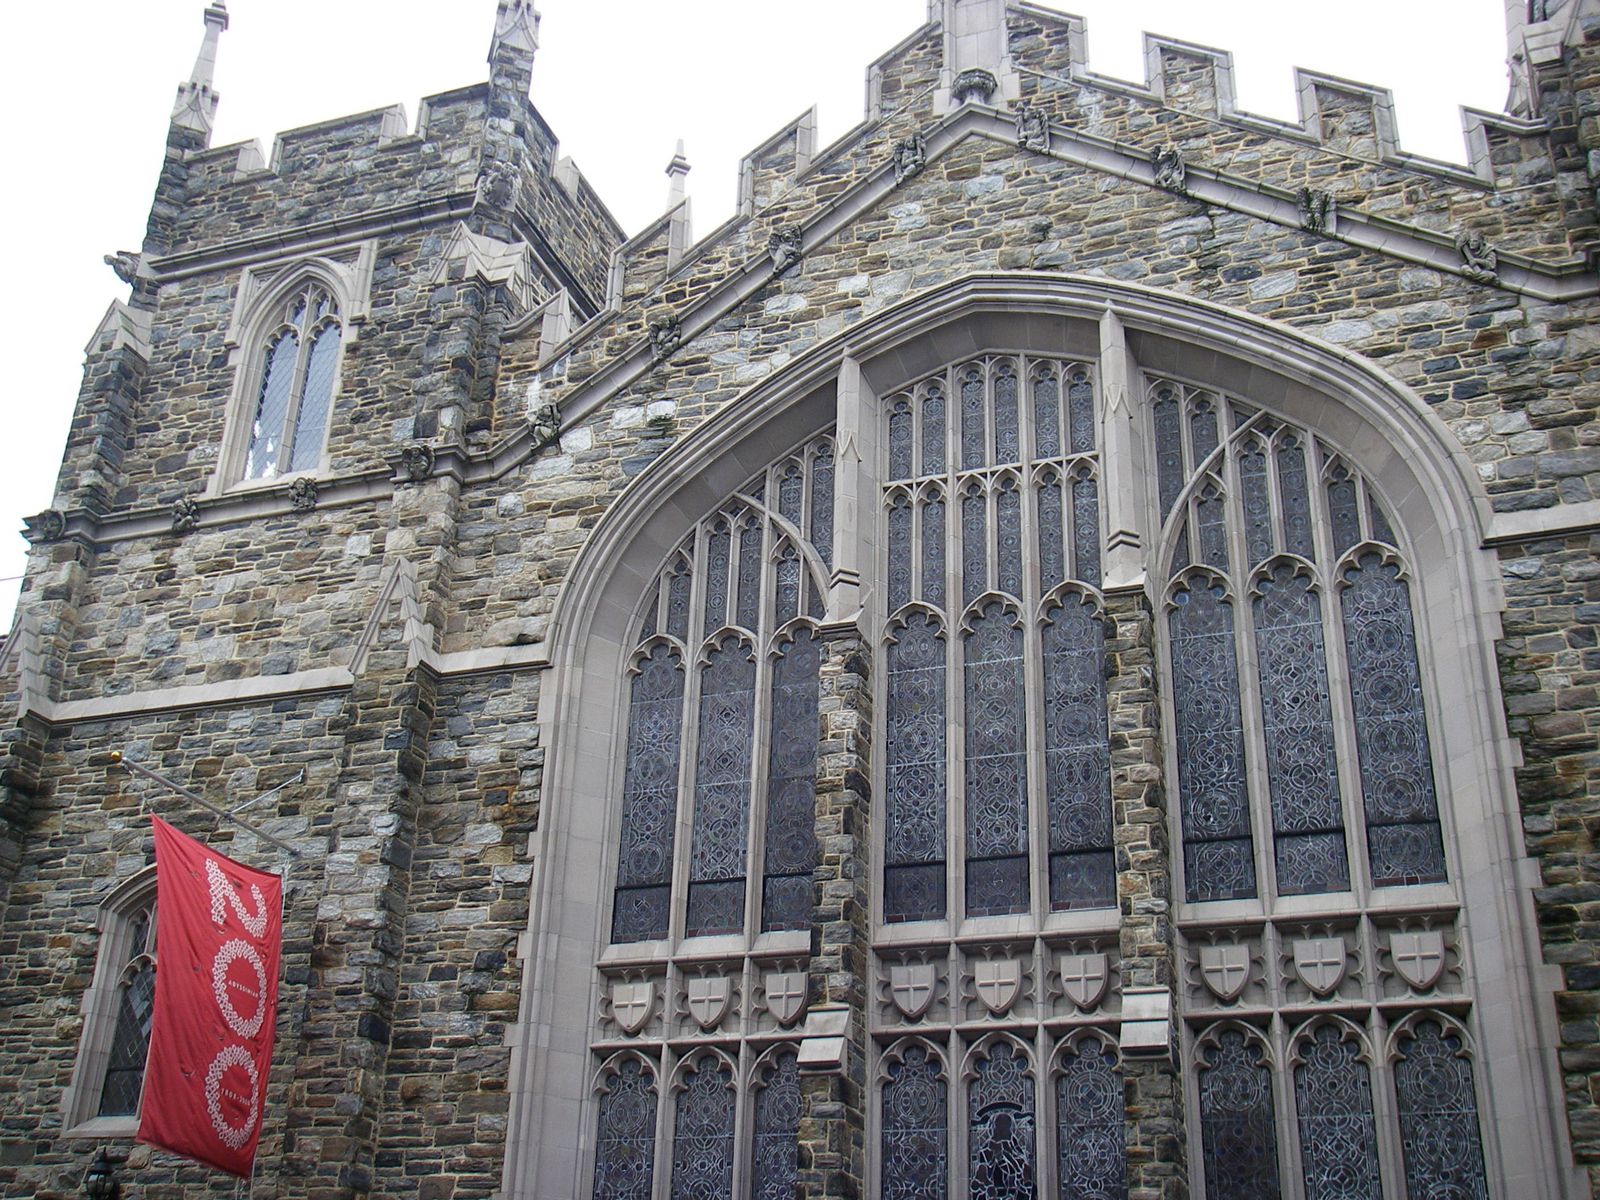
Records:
x=294, y=397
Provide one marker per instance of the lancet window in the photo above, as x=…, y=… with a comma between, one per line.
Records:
x=296, y=383
x=992, y=539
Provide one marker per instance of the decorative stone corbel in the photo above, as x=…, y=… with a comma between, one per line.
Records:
x=303, y=494
x=1171, y=171
x=910, y=157
x=975, y=84
x=545, y=423
x=416, y=461
x=785, y=248
x=1033, y=129
x=185, y=514
x=1480, y=261
x=47, y=526
x=666, y=337
x=1316, y=210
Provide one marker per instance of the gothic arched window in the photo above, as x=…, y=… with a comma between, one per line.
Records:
x=625, y=1150
x=916, y=1138
x=295, y=384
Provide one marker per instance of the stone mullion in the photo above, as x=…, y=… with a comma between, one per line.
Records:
x=1154, y=1126
x=834, y=1106
x=335, y=1102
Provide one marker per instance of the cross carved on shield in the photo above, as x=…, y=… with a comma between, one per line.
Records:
x=1320, y=963
x=1418, y=957
x=1225, y=969
x=998, y=982
x=631, y=1004
x=786, y=995
x=911, y=987
x=709, y=997
x=1084, y=977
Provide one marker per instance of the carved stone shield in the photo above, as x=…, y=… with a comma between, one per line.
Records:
x=998, y=982
x=708, y=999
x=786, y=995
x=1418, y=957
x=1320, y=963
x=1085, y=977
x=911, y=987
x=631, y=1004
x=1225, y=969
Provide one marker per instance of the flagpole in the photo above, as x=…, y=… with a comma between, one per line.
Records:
x=119, y=759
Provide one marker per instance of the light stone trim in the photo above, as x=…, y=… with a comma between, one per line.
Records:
x=488, y=261
x=1558, y=520
x=128, y=328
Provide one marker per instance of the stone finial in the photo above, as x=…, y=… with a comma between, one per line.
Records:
x=196, y=105
x=678, y=173
x=516, y=28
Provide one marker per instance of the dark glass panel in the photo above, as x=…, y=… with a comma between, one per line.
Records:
x=1086, y=530
x=1007, y=436
x=1052, y=534
x=996, y=765
x=702, y=1141
x=791, y=573
x=719, y=559
x=1091, y=1160
x=1236, y=1121
x=933, y=552
x=1346, y=518
x=1008, y=522
x=1080, y=399
x=722, y=791
x=1000, y=1127
x=130, y=1041
x=1203, y=430
x=899, y=551
x=775, y=1166
x=1211, y=527
x=1296, y=497
x=1297, y=729
x=974, y=447
x=974, y=546
x=791, y=840
x=915, y=1129
x=1211, y=772
x=1257, y=504
x=900, y=444
x=1403, y=838
x=751, y=561
x=625, y=1148
x=822, y=504
x=1077, y=759
x=1381, y=529
x=1170, y=473
x=1438, y=1116
x=914, y=853
x=1046, y=415
x=1338, y=1139
x=649, y=799
x=934, y=451
x=792, y=494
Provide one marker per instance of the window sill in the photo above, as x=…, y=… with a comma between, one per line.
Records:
x=104, y=1127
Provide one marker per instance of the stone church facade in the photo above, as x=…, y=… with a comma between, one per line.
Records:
x=1053, y=654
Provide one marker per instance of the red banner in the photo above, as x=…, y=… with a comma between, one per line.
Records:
x=218, y=941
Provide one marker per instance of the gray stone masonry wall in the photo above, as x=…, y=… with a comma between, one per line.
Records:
x=402, y=938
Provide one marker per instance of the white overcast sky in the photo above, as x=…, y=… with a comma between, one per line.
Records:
x=618, y=80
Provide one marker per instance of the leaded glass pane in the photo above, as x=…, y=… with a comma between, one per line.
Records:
x=933, y=551
x=974, y=546
x=1052, y=534
x=1296, y=496
x=272, y=406
x=1170, y=473
x=1007, y=437
x=625, y=1148
x=974, y=447
x=1438, y=1116
x=1342, y=510
x=1211, y=527
x=900, y=440
x=722, y=790
x=899, y=551
x=648, y=622
x=1203, y=431
x=678, y=603
x=1257, y=504
x=1080, y=399
x=915, y=1128
x=719, y=556
x=1236, y=1121
x=1077, y=758
x=914, y=883
x=1381, y=530
x=750, y=564
x=311, y=423
x=1008, y=522
x=791, y=844
x=790, y=574
x=1297, y=730
x=649, y=799
x=1338, y=1140
x=775, y=1167
x=130, y=1041
x=1091, y=1160
x=1403, y=838
x=791, y=493
x=933, y=431
x=702, y=1141
x=1000, y=1127
x=822, y=504
x=1086, y=529
x=1218, y=862
x=996, y=765
x=1047, y=415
